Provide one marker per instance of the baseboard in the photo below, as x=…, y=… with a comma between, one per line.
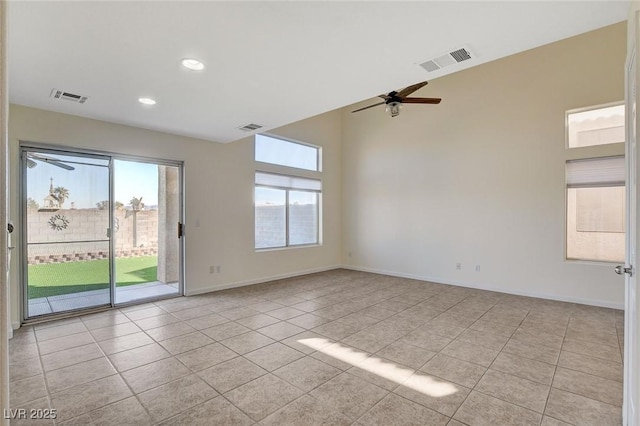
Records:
x=259, y=280
x=478, y=286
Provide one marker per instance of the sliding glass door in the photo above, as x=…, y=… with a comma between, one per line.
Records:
x=146, y=216
x=67, y=237
x=99, y=230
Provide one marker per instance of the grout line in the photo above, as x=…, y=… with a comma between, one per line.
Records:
x=353, y=295
x=618, y=407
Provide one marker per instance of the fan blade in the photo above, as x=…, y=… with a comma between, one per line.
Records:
x=53, y=161
x=421, y=100
x=385, y=97
x=409, y=90
x=370, y=106
x=61, y=165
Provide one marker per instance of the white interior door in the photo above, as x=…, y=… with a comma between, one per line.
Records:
x=631, y=360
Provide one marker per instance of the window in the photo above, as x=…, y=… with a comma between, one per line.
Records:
x=286, y=209
x=596, y=185
x=599, y=126
x=287, y=196
x=285, y=153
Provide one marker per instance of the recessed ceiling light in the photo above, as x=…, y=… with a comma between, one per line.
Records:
x=146, y=101
x=193, y=64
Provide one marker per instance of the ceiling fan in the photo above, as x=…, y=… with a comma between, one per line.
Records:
x=395, y=99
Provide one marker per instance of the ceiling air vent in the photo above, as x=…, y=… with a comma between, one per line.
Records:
x=71, y=97
x=251, y=127
x=454, y=57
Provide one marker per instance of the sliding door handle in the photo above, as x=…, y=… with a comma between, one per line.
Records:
x=621, y=270
x=180, y=230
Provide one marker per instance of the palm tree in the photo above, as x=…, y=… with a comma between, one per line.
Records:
x=136, y=203
x=61, y=193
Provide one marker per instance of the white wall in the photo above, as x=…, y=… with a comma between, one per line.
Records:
x=479, y=179
x=218, y=193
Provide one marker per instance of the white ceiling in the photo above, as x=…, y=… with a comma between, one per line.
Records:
x=270, y=63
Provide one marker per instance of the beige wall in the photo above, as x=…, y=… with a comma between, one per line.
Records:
x=218, y=193
x=479, y=179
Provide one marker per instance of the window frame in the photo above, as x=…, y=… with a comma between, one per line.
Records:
x=590, y=152
x=293, y=172
x=310, y=145
x=585, y=109
x=287, y=214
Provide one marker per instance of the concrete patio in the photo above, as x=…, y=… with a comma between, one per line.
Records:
x=72, y=301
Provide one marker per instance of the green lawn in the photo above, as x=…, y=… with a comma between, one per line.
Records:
x=53, y=279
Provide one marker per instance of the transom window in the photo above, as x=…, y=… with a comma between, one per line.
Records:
x=598, y=126
x=286, y=153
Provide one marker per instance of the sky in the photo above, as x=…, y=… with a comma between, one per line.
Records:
x=89, y=184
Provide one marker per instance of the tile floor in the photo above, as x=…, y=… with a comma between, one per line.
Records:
x=334, y=348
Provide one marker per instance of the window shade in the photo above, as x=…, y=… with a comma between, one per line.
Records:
x=289, y=182
x=594, y=172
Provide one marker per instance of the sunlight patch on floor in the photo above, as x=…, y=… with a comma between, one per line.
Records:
x=388, y=370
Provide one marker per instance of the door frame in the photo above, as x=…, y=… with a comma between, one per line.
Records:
x=631, y=384
x=69, y=150
x=181, y=242
x=6, y=331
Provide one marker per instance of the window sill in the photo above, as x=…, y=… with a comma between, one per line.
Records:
x=261, y=250
x=606, y=263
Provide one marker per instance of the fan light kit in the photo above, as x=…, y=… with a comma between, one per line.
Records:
x=394, y=100
x=193, y=64
x=393, y=108
x=146, y=101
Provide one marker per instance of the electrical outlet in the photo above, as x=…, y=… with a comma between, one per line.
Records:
x=458, y=266
x=349, y=254
x=218, y=269
x=477, y=268
x=212, y=269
